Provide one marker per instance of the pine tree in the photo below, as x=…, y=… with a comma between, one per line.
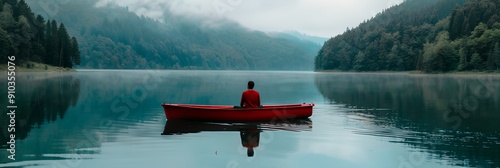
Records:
x=490, y=61
x=54, y=46
x=11, y=2
x=22, y=38
x=49, y=44
x=15, y=9
x=456, y=22
x=4, y=43
x=7, y=21
x=64, y=47
x=76, y=51
x=39, y=40
x=40, y=25
x=30, y=38
x=462, y=65
x=496, y=55
x=24, y=10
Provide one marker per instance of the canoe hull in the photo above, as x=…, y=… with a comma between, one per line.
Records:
x=229, y=113
x=179, y=127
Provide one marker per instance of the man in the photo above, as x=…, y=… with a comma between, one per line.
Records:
x=250, y=98
x=250, y=139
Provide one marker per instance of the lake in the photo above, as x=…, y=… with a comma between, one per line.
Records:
x=115, y=119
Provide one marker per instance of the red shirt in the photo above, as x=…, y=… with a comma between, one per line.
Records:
x=250, y=99
x=250, y=138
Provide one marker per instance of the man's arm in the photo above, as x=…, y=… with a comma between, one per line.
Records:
x=242, y=99
x=258, y=99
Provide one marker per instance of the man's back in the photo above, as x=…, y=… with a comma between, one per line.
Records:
x=250, y=99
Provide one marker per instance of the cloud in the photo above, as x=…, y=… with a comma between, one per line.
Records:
x=325, y=18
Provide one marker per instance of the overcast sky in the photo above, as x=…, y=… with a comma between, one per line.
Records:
x=325, y=18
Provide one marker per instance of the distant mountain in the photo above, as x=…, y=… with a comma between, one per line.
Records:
x=427, y=35
x=112, y=37
x=306, y=42
x=302, y=36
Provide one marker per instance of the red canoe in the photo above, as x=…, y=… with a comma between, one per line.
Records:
x=229, y=113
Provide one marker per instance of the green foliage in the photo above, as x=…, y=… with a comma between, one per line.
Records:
x=54, y=44
x=432, y=36
x=496, y=56
x=4, y=43
x=75, y=59
x=112, y=37
x=463, y=63
x=390, y=41
x=456, y=22
x=22, y=38
x=65, y=48
x=440, y=56
x=394, y=59
x=477, y=62
x=7, y=21
x=22, y=34
x=482, y=42
x=359, y=62
x=432, y=61
x=490, y=62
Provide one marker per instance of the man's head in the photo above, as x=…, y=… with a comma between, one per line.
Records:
x=251, y=84
x=250, y=152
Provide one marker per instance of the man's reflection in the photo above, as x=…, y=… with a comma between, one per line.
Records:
x=249, y=132
x=250, y=139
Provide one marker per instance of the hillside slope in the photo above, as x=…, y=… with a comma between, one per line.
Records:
x=418, y=35
x=112, y=37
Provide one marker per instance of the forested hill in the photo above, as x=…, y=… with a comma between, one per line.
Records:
x=112, y=37
x=427, y=35
x=310, y=44
x=29, y=37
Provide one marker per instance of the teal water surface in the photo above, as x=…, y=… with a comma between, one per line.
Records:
x=114, y=119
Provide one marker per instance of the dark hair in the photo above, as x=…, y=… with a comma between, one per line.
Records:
x=250, y=152
x=251, y=84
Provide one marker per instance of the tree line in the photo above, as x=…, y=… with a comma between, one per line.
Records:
x=31, y=38
x=427, y=35
x=112, y=37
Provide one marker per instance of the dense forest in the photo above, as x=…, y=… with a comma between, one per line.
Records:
x=31, y=38
x=113, y=37
x=427, y=35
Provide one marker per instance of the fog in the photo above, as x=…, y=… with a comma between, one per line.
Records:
x=325, y=18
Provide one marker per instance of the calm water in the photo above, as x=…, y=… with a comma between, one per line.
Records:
x=114, y=119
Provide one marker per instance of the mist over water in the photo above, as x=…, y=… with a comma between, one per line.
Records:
x=267, y=16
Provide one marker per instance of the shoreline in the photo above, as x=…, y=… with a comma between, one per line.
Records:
x=37, y=67
x=415, y=72
x=43, y=68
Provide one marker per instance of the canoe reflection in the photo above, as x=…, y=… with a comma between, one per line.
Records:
x=249, y=131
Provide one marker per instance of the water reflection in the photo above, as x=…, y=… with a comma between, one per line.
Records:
x=249, y=131
x=92, y=117
x=449, y=117
x=41, y=98
x=250, y=139
x=49, y=100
